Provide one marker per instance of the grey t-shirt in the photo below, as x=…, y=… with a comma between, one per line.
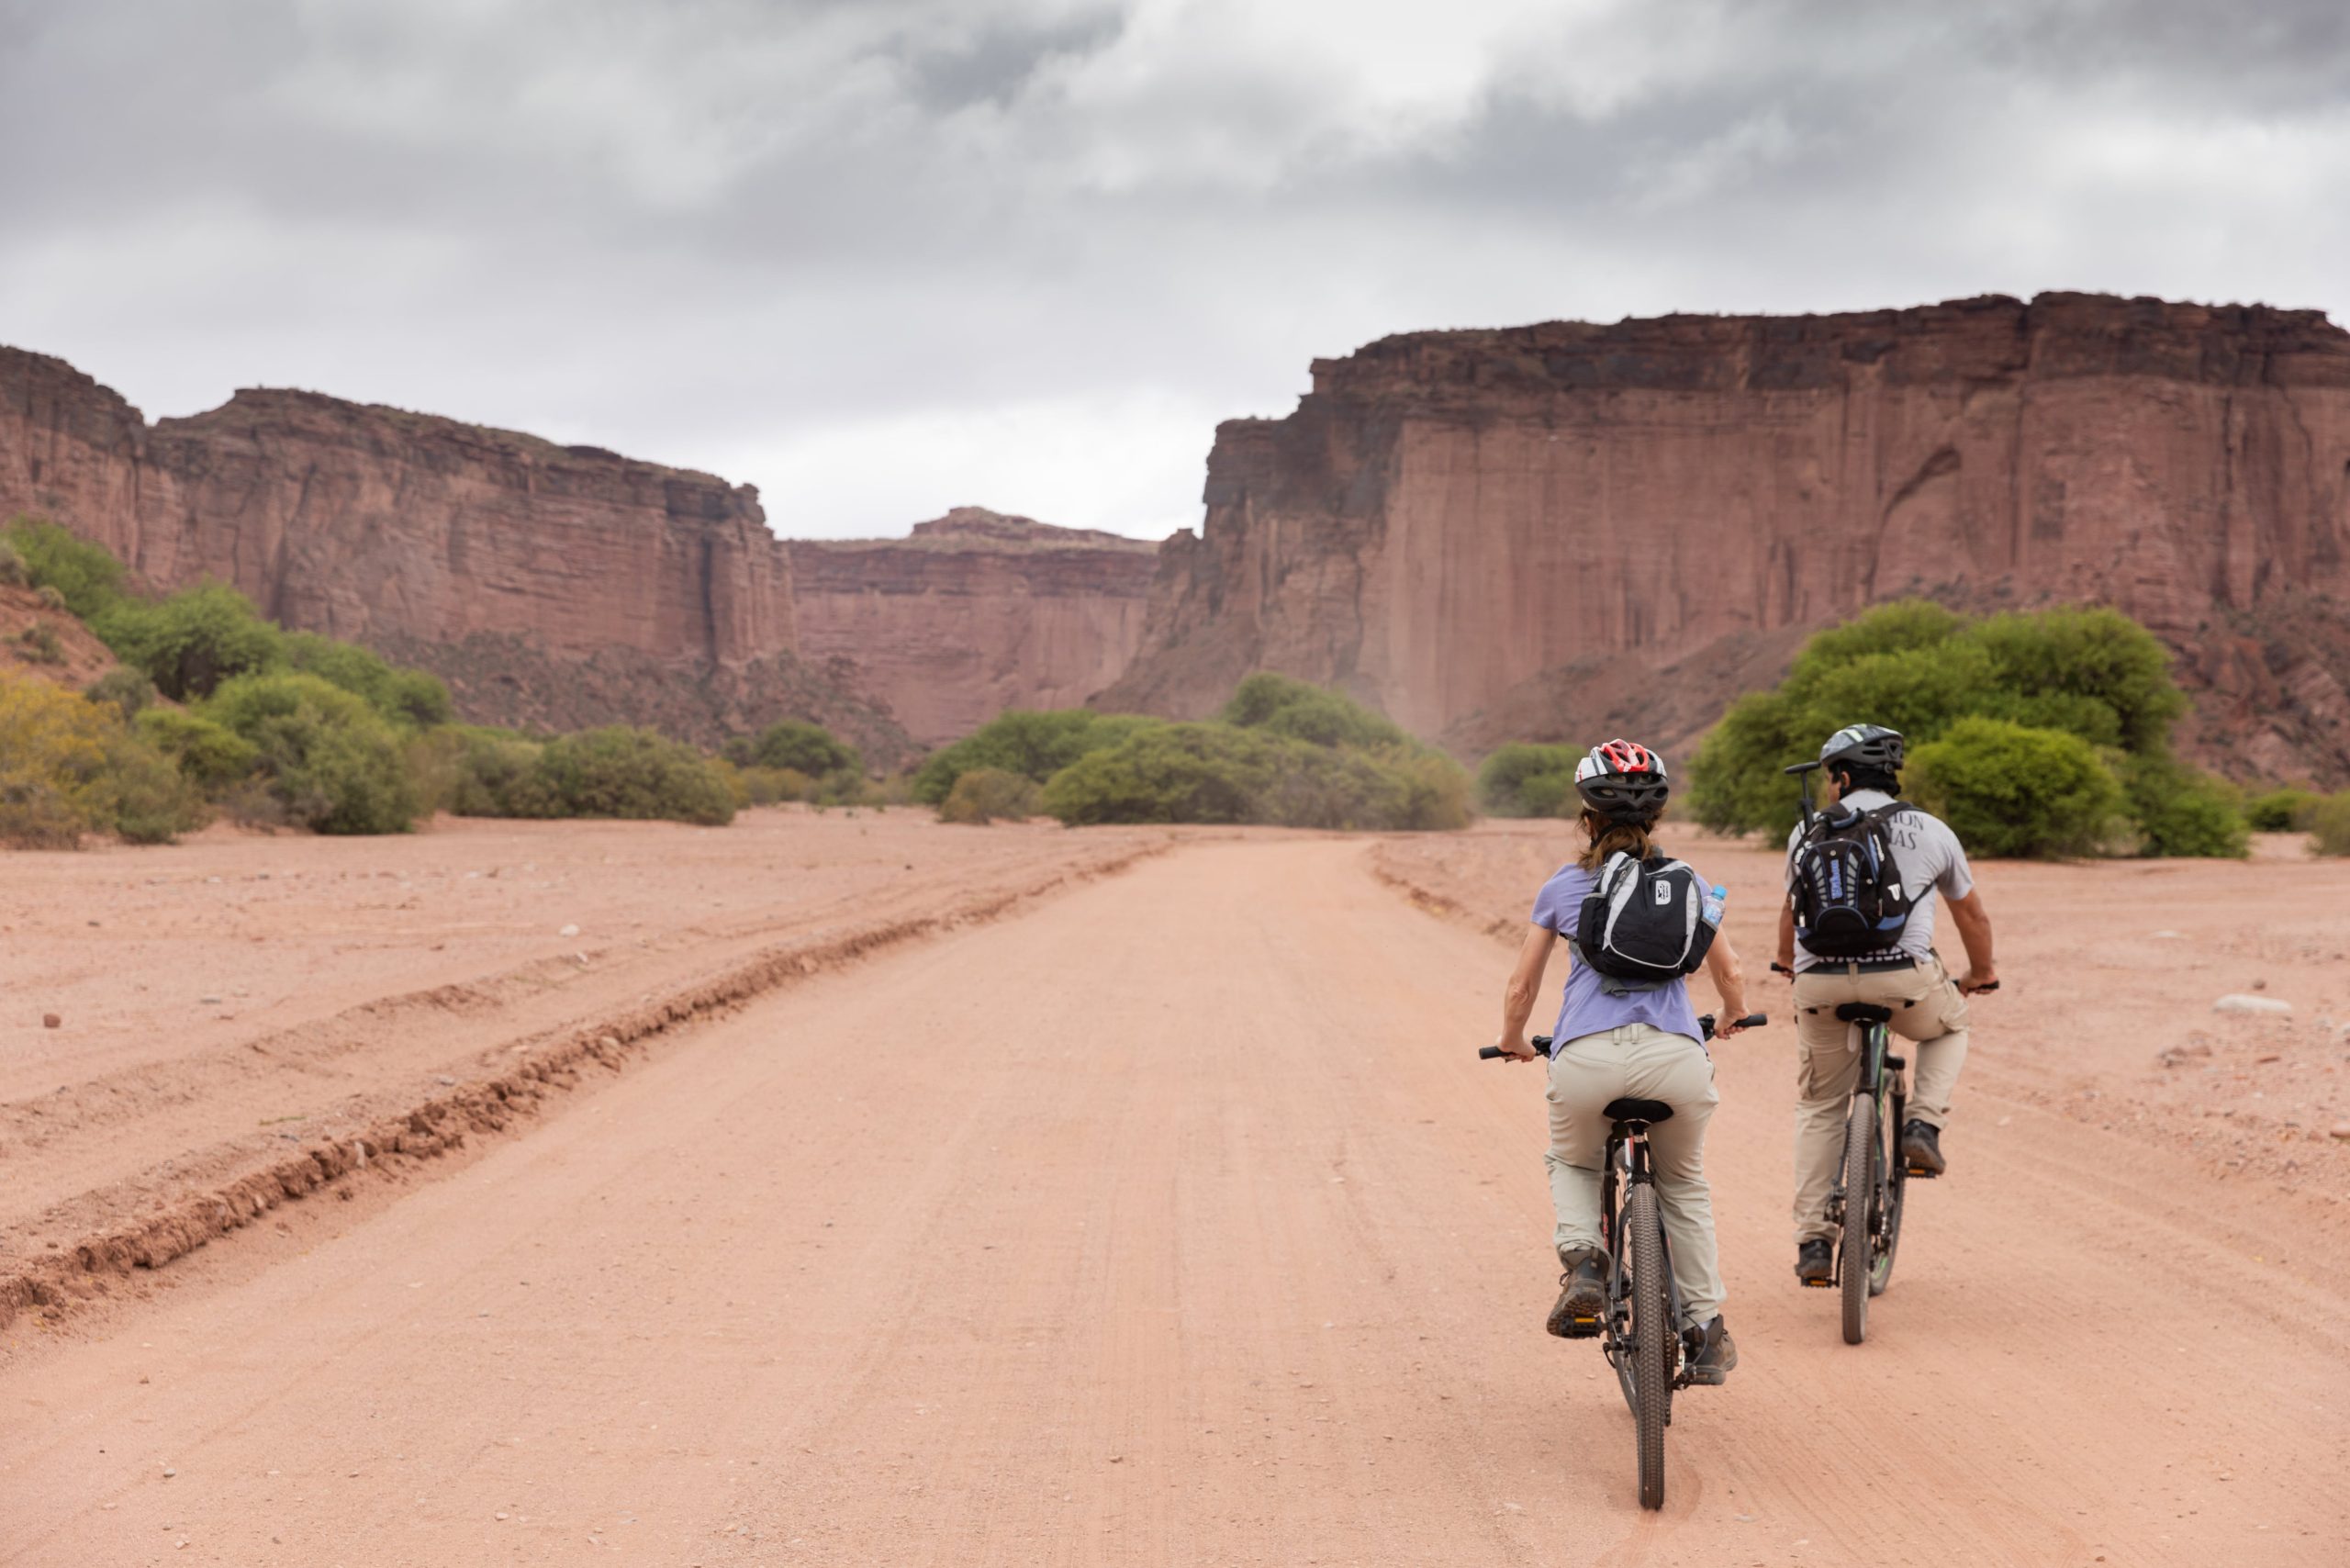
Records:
x=1928, y=857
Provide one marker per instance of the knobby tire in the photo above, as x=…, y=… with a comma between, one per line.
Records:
x=1859, y=1205
x=1897, y=1185
x=1651, y=1338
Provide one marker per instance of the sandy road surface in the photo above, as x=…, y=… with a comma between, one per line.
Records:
x=1174, y=1223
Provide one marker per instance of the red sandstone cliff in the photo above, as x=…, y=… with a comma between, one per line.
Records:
x=1499, y=534
x=550, y=585
x=974, y=613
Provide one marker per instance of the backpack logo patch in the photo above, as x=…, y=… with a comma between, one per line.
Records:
x=1663, y=893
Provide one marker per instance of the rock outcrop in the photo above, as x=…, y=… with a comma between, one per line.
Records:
x=1498, y=534
x=974, y=613
x=549, y=584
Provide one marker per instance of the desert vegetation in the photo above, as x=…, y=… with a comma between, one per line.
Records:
x=216, y=709
x=2037, y=735
x=1282, y=752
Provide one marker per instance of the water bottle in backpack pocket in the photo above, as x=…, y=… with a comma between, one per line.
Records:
x=1848, y=898
x=1643, y=923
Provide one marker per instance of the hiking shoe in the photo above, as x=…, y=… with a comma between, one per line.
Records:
x=1712, y=1354
x=1922, y=1149
x=1816, y=1262
x=1582, y=1294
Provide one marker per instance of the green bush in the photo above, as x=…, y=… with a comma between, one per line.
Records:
x=333, y=763
x=2092, y=673
x=212, y=757
x=12, y=571
x=192, y=643
x=2006, y=790
x=2330, y=825
x=1521, y=780
x=1220, y=773
x=410, y=696
x=622, y=772
x=771, y=786
x=2281, y=811
x=1281, y=706
x=38, y=643
x=2182, y=812
x=85, y=576
x=809, y=750
x=124, y=688
x=985, y=794
x=1034, y=744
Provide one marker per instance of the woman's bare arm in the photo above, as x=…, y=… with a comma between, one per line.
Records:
x=1729, y=984
x=1525, y=985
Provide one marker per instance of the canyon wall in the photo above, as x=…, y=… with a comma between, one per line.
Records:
x=974, y=613
x=558, y=586
x=1500, y=534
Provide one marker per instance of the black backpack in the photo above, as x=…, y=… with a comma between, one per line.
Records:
x=1642, y=926
x=1848, y=895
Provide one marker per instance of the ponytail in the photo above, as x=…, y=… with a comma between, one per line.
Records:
x=1606, y=838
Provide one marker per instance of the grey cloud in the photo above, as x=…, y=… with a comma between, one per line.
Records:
x=763, y=237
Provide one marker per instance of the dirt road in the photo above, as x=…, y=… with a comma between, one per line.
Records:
x=1174, y=1222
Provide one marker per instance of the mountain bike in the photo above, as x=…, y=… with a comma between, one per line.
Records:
x=1873, y=1177
x=1637, y=1333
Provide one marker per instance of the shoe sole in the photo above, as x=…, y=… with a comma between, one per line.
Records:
x=1576, y=1319
x=1714, y=1377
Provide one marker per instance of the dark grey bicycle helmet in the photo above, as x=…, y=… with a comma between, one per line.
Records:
x=1863, y=745
x=1623, y=781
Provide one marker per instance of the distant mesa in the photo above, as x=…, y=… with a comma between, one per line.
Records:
x=972, y=613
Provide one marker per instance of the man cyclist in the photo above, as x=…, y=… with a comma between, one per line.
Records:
x=1861, y=769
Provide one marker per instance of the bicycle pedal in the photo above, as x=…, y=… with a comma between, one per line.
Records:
x=1919, y=1173
x=1581, y=1329
x=1817, y=1284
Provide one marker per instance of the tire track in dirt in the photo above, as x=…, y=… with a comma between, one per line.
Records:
x=483, y=1107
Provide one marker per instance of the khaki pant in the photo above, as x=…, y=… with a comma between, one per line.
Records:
x=1643, y=1062
x=1927, y=1009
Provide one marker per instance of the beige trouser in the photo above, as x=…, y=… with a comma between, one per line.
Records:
x=1643, y=1062
x=1927, y=1008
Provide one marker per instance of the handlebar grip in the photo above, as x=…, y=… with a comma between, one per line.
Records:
x=1753, y=1021
x=1541, y=1044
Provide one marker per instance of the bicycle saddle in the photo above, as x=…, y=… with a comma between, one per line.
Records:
x=1649, y=1110
x=1863, y=1012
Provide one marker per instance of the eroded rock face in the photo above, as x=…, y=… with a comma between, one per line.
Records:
x=1478, y=530
x=444, y=543
x=974, y=613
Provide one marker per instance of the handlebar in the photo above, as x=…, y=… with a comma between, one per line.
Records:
x=1543, y=1043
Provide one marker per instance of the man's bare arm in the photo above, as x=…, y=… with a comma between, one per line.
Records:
x=1974, y=923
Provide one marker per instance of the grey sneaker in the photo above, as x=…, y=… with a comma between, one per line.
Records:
x=1816, y=1262
x=1921, y=1149
x=1712, y=1356
x=1582, y=1294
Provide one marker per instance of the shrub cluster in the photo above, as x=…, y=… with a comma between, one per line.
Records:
x=1282, y=752
x=69, y=767
x=990, y=794
x=290, y=728
x=2048, y=732
x=2329, y=821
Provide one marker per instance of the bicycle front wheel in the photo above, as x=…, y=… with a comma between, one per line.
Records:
x=1858, y=1261
x=1651, y=1339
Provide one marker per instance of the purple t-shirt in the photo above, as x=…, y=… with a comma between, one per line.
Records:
x=1585, y=1008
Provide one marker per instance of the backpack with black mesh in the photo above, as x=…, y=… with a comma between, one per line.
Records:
x=1642, y=926
x=1848, y=895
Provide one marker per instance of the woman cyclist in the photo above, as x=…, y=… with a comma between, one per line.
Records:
x=1613, y=1042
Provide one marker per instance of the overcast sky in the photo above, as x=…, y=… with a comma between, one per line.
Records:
x=879, y=257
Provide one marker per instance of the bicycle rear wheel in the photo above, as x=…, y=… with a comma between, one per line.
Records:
x=1896, y=1186
x=1651, y=1339
x=1857, y=1261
